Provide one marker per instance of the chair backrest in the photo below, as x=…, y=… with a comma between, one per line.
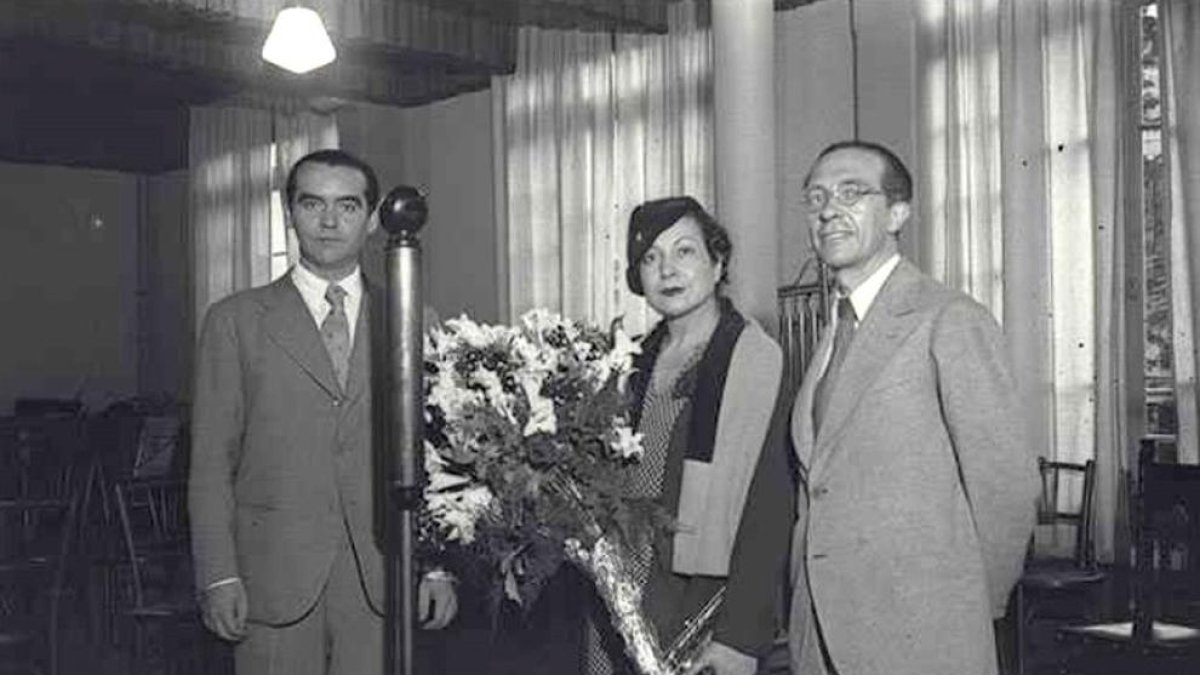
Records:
x=1066, y=499
x=32, y=407
x=1166, y=519
x=153, y=514
x=41, y=457
x=36, y=537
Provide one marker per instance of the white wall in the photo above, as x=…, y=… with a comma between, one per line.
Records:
x=445, y=149
x=167, y=325
x=887, y=87
x=68, y=248
x=815, y=107
x=816, y=98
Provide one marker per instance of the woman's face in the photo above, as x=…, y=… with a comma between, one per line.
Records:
x=678, y=274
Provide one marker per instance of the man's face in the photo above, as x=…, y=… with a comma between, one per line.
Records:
x=853, y=239
x=331, y=217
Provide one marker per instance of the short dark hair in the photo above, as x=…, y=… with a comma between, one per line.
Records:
x=651, y=218
x=333, y=157
x=896, y=181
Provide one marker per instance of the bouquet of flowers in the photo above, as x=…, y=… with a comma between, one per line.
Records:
x=526, y=436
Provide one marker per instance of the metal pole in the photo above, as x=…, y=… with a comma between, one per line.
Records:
x=402, y=214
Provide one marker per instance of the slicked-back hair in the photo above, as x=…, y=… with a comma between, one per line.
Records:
x=333, y=157
x=896, y=181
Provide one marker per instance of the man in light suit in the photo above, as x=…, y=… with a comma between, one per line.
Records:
x=280, y=493
x=918, y=487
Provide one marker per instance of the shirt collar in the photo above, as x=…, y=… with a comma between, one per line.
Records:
x=864, y=295
x=311, y=285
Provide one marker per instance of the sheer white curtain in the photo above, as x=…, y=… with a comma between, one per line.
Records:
x=1021, y=196
x=229, y=166
x=1181, y=33
x=230, y=185
x=589, y=126
x=297, y=133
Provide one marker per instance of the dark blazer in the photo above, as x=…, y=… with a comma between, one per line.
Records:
x=281, y=456
x=918, y=491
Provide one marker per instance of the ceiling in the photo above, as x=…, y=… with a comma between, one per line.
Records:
x=106, y=83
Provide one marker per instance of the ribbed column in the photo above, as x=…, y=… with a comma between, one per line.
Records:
x=744, y=83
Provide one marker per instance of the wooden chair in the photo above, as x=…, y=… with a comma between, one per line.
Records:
x=158, y=581
x=1162, y=633
x=124, y=438
x=1054, y=584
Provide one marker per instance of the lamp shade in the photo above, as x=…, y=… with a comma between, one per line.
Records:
x=298, y=41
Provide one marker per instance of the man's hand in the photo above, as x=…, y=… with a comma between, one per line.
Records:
x=437, y=601
x=723, y=660
x=224, y=609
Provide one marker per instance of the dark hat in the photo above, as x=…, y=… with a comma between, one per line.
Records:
x=648, y=221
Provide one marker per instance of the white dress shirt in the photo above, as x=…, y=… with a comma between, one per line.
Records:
x=864, y=295
x=312, y=288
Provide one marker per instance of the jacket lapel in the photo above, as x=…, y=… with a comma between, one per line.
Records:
x=889, y=321
x=803, y=436
x=291, y=326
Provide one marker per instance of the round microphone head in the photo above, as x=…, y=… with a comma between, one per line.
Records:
x=403, y=211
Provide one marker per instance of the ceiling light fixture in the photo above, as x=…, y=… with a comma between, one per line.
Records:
x=298, y=41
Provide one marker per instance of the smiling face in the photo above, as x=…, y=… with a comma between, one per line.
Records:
x=855, y=239
x=331, y=217
x=678, y=273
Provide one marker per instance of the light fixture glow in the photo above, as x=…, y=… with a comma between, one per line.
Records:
x=298, y=41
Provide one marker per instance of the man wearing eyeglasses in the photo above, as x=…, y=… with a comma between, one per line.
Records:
x=280, y=490
x=918, y=487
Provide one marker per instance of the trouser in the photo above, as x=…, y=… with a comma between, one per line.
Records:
x=340, y=635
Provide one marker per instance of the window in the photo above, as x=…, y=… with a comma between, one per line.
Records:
x=1158, y=352
x=280, y=232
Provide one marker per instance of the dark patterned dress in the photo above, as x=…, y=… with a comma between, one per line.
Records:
x=666, y=399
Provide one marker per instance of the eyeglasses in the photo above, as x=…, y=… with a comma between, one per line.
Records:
x=816, y=197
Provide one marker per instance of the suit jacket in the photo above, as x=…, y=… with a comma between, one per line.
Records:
x=281, y=457
x=918, y=491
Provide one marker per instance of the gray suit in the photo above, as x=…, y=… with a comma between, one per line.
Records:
x=918, y=491
x=282, y=457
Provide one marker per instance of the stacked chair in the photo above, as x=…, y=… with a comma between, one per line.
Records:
x=41, y=451
x=140, y=557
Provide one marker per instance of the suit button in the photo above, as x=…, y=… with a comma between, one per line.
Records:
x=337, y=402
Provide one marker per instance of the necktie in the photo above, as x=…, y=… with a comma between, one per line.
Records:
x=846, y=319
x=335, y=331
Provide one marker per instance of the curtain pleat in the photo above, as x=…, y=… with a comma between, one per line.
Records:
x=229, y=166
x=595, y=124
x=230, y=185
x=1181, y=34
x=1020, y=206
x=297, y=133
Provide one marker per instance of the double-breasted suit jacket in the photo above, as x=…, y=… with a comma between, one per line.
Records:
x=917, y=491
x=280, y=475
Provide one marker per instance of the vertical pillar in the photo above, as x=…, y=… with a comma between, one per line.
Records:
x=744, y=93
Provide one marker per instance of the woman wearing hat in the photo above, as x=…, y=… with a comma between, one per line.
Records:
x=709, y=399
